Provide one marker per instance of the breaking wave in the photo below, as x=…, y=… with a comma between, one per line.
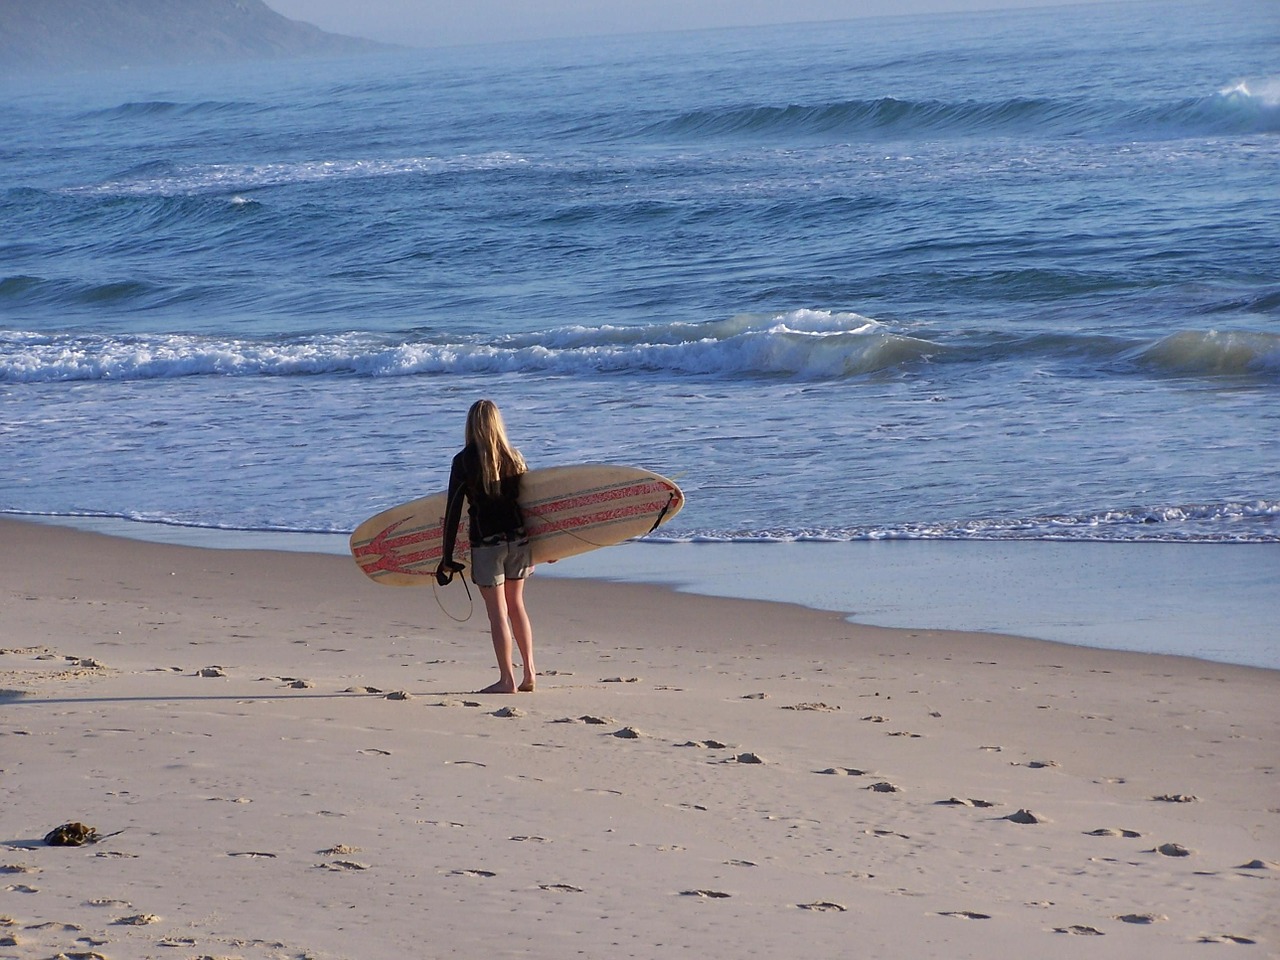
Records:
x=804, y=344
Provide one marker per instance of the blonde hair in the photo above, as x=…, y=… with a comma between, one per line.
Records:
x=488, y=434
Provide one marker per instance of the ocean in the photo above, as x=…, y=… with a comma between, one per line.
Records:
x=982, y=277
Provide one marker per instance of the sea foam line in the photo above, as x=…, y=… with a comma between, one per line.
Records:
x=1247, y=521
x=803, y=344
x=1230, y=522
x=170, y=180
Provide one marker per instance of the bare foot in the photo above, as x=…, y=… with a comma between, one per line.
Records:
x=499, y=687
x=526, y=687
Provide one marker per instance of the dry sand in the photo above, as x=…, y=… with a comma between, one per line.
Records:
x=286, y=762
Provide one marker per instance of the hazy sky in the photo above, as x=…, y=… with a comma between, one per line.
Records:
x=449, y=22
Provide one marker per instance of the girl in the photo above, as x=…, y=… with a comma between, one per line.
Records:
x=487, y=471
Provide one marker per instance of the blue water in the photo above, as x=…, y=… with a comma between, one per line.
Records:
x=992, y=276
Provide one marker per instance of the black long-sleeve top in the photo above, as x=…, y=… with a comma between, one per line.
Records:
x=490, y=516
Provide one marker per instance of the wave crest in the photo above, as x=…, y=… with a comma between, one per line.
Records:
x=1214, y=353
x=816, y=345
x=1237, y=110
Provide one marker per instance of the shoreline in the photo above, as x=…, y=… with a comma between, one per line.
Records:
x=288, y=757
x=1210, y=601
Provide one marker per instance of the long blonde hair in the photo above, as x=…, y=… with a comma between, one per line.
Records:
x=488, y=434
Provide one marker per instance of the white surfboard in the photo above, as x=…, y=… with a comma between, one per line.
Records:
x=567, y=511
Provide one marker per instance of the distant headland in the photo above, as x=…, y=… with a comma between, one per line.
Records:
x=62, y=36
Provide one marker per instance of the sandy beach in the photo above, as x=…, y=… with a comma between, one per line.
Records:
x=284, y=760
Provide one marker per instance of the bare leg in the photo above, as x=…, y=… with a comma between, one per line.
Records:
x=523, y=630
x=495, y=604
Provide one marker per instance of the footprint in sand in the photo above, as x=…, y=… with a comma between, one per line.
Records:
x=1172, y=850
x=704, y=744
x=875, y=718
x=965, y=915
x=560, y=887
x=137, y=920
x=1024, y=816
x=884, y=786
x=1259, y=865
x=472, y=873
x=212, y=672
x=746, y=758
x=705, y=894
x=339, y=850
x=1176, y=798
x=1079, y=931
x=361, y=690
x=508, y=712
x=1226, y=938
x=1142, y=918
x=253, y=854
x=342, y=865
x=818, y=707
x=823, y=906
x=844, y=772
x=1036, y=764
x=1112, y=832
x=963, y=802
x=375, y=751
x=628, y=733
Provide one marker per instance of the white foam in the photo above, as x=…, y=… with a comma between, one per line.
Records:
x=185, y=180
x=805, y=343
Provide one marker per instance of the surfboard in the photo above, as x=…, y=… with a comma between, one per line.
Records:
x=567, y=511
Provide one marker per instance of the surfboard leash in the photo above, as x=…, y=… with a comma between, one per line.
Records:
x=471, y=603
